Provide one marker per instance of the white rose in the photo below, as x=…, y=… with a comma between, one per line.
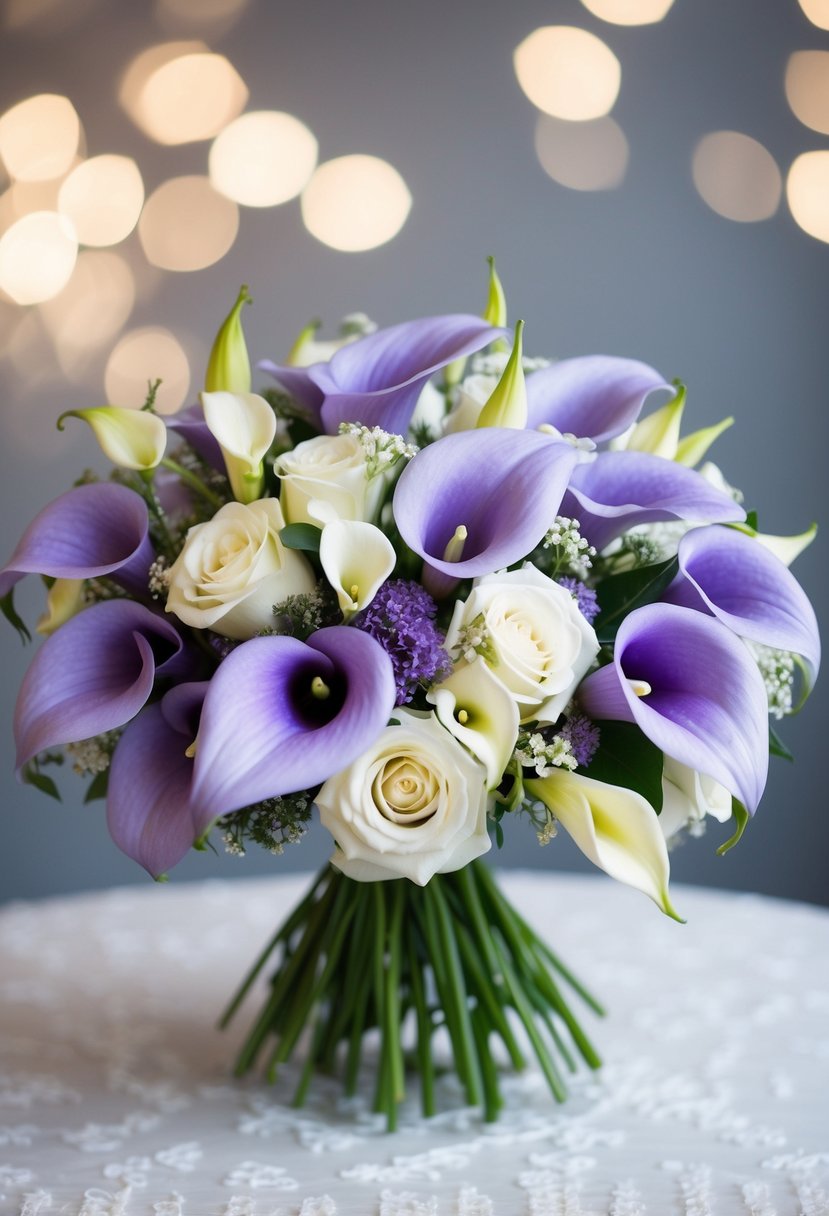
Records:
x=234, y=568
x=329, y=469
x=688, y=796
x=532, y=636
x=413, y=805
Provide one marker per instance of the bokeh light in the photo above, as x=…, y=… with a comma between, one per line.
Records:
x=568, y=72
x=91, y=310
x=807, y=191
x=807, y=88
x=583, y=156
x=263, y=158
x=817, y=11
x=103, y=197
x=21, y=198
x=736, y=176
x=355, y=203
x=190, y=97
x=39, y=137
x=628, y=12
x=186, y=225
x=37, y=256
x=145, y=355
x=144, y=65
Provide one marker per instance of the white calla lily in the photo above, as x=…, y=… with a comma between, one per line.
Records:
x=785, y=548
x=478, y=710
x=131, y=439
x=244, y=426
x=693, y=447
x=357, y=559
x=615, y=827
x=64, y=600
x=657, y=434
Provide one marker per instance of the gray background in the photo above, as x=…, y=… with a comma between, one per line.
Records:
x=737, y=310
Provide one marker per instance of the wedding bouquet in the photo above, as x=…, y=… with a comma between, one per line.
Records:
x=431, y=591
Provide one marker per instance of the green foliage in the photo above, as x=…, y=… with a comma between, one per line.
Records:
x=97, y=787
x=626, y=757
x=741, y=818
x=32, y=775
x=777, y=747
x=9, y=612
x=301, y=536
x=620, y=594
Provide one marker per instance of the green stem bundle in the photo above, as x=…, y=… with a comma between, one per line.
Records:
x=357, y=957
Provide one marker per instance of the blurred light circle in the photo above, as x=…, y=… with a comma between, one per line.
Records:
x=21, y=198
x=142, y=67
x=583, y=156
x=736, y=176
x=807, y=88
x=37, y=256
x=142, y=356
x=355, y=203
x=628, y=12
x=39, y=137
x=103, y=197
x=186, y=225
x=807, y=191
x=189, y=98
x=91, y=310
x=568, y=72
x=817, y=11
x=263, y=158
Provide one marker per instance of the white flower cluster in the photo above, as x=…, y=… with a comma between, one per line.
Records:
x=534, y=751
x=494, y=364
x=92, y=756
x=381, y=449
x=159, y=578
x=576, y=551
x=472, y=640
x=777, y=670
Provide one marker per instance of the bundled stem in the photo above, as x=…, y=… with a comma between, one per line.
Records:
x=357, y=957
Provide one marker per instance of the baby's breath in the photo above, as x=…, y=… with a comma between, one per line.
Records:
x=534, y=751
x=777, y=670
x=381, y=449
x=272, y=824
x=92, y=756
x=473, y=640
x=572, y=551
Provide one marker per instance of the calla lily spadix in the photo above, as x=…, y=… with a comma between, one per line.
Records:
x=356, y=559
x=592, y=396
x=613, y=826
x=89, y=532
x=693, y=689
x=228, y=368
x=507, y=406
x=244, y=425
x=477, y=709
x=132, y=439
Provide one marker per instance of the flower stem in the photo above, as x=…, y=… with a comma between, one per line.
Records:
x=190, y=479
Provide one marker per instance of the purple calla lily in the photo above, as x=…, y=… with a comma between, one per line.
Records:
x=93, y=675
x=189, y=425
x=504, y=486
x=618, y=490
x=378, y=379
x=89, y=531
x=593, y=396
x=298, y=383
x=702, y=699
x=148, y=799
x=734, y=577
x=282, y=715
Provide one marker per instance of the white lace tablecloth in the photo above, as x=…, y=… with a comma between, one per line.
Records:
x=116, y=1095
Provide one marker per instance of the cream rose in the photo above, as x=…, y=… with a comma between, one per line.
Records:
x=329, y=469
x=234, y=568
x=531, y=634
x=413, y=805
x=688, y=796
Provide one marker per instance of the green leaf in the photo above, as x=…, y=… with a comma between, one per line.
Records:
x=97, y=787
x=626, y=757
x=751, y=520
x=32, y=776
x=621, y=593
x=742, y=817
x=8, y=610
x=301, y=536
x=776, y=745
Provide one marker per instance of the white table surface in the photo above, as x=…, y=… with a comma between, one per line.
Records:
x=116, y=1096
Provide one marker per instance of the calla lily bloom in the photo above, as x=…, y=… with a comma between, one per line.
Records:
x=615, y=827
x=378, y=379
x=784, y=548
x=691, y=448
x=477, y=501
x=507, y=405
x=593, y=396
x=357, y=559
x=282, y=715
x=618, y=490
x=65, y=600
x=189, y=424
x=477, y=709
x=228, y=368
x=131, y=439
x=93, y=675
x=693, y=688
x=244, y=425
x=736, y=579
x=88, y=532
x=149, y=813
x=659, y=432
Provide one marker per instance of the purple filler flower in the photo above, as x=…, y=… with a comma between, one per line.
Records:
x=401, y=619
x=582, y=735
x=585, y=597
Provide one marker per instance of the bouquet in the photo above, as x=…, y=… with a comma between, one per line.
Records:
x=432, y=591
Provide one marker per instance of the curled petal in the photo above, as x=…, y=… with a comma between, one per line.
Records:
x=615, y=827
x=619, y=490
x=297, y=383
x=132, y=439
x=93, y=675
x=504, y=487
x=477, y=709
x=89, y=531
x=244, y=426
x=190, y=425
x=693, y=689
x=593, y=396
x=356, y=559
x=264, y=731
